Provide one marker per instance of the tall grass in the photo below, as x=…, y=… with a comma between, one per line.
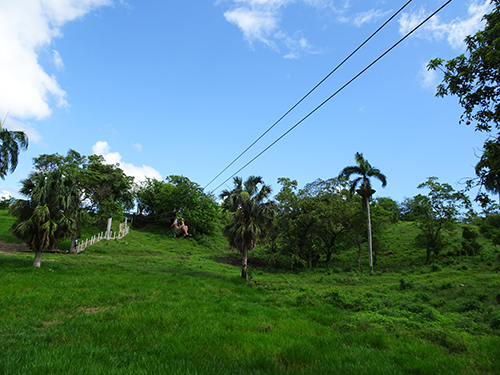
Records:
x=149, y=303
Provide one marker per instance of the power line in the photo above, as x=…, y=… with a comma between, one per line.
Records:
x=310, y=91
x=336, y=92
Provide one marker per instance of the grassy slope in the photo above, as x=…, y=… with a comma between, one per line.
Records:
x=153, y=304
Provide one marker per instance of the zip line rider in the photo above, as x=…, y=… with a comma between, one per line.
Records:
x=183, y=227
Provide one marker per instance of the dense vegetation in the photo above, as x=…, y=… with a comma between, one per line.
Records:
x=151, y=303
x=333, y=280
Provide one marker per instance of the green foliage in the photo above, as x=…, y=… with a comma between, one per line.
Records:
x=474, y=78
x=365, y=171
x=5, y=203
x=313, y=223
x=435, y=212
x=250, y=213
x=43, y=219
x=104, y=190
x=469, y=241
x=11, y=143
x=107, y=188
x=163, y=201
x=151, y=304
x=389, y=205
x=489, y=225
x=6, y=222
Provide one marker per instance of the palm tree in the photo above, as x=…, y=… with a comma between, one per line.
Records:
x=42, y=219
x=365, y=170
x=250, y=215
x=12, y=142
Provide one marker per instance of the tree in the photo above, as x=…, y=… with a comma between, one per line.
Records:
x=488, y=168
x=437, y=210
x=250, y=212
x=107, y=189
x=71, y=167
x=177, y=195
x=365, y=170
x=42, y=218
x=474, y=78
x=11, y=143
x=314, y=222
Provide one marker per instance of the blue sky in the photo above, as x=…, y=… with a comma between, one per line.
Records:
x=183, y=87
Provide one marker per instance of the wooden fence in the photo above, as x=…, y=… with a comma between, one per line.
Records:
x=123, y=231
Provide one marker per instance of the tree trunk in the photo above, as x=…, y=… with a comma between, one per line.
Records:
x=358, y=241
x=38, y=259
x=244, y=264
x=369, y=232
x=72, y=245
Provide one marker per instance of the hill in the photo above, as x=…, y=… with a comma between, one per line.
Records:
x=150, y=303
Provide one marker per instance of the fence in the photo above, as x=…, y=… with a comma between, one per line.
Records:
x=123, y=231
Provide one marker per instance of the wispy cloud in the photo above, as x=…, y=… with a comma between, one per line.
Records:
x=256, y=25
x=28, y=28
x=427, y=78
x=57, y=60
x=454, y=31
x=259, y=21
x=369, y=16
x=139, y=173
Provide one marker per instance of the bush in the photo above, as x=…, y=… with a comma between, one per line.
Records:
x=405, y=285
x=470, y=305
x=434, y=267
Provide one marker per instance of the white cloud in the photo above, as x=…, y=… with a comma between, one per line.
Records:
x=31, y=132
x=369, y=16
x=454, y=31
x=427, y=78
x=57, y=60
x=137, y=146
x=259, y=20
x=139, y=173
x=27, y=28
x=7, y=192
x=256, y=25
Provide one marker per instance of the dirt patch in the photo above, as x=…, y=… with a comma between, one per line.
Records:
x=236, y=261
x=6, y=247
x=93, y=310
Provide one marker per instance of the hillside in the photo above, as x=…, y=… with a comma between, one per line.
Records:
x=149, y=303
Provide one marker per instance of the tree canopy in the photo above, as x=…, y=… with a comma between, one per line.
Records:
x=250, y=212
x=178, y=196
x=365, y=172
x=475, y=77
x=11, y=144
x=45, y=217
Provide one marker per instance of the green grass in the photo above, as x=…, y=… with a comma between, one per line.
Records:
x=6, y=221
x=149, y=303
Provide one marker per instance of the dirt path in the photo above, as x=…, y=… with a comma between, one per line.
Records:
x=6, y=247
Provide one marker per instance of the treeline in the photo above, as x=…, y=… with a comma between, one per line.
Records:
x=298, y=227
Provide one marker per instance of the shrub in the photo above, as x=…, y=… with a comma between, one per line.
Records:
x=470, y=305
x=434, y=267
x=405, y=285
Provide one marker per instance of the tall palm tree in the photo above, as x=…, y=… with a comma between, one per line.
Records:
x=11, y=143
x=43, y=219
x=250, y=215
x=365, y=171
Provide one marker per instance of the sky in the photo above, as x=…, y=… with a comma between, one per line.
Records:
x=183, y=87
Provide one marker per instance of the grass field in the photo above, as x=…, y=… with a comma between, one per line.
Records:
x=152, y=304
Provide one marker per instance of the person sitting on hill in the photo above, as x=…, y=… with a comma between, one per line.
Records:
x=181, y=229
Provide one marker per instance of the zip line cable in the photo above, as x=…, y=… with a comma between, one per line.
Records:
x=314, y=88
x=336, y=92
